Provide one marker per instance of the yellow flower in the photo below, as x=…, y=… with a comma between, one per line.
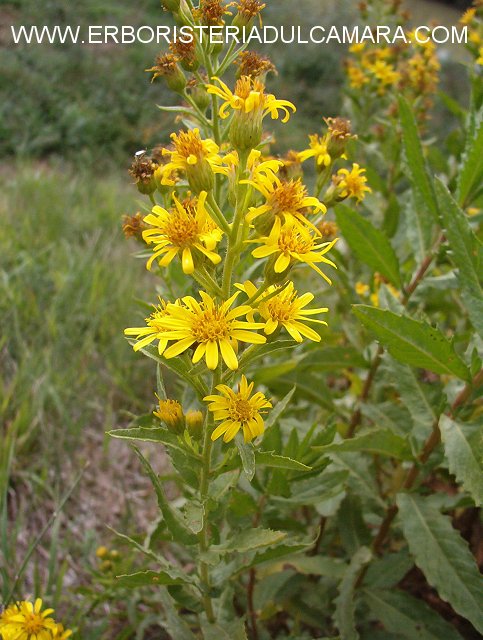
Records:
x=171, y=413
x=61, y=633
x=186, y=229
x=238, y=410
x=357, y=77
x=357, y=47
x=384, y=72
x=27, y=621
x=286, y=200
x=352, y=184
x=290, y=243
x=154, y=329
x=212, y=327
x=361, y=289
x=318, y=150
x=259, y=169
x=468, y=16
x=196, y=157
x=281, y=307
x=479, y=60
x=249, y=96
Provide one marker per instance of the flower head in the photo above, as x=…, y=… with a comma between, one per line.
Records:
x=286, y=200
x=171, y=413
x=253, y=64
x=187, y=230
x=318, y=149
x=133, y=226
x=27, y=621
x=154, y=329
x=288, y=243
x=196, y=157
x=166, y=66
x=282, y=307
x=238, y=410
x=352, y=184
x=142, y=170
x=211, y=12
x=214, y=328
x=246, y=11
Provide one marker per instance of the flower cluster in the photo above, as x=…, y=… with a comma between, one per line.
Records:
x=473, y=19
x=28, y=621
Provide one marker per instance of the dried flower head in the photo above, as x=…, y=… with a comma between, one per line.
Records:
x=246, y=11
x=142, y=170
x=133, y=226
x=166, y=66
x=253, y=64
x=185, y=52
x=211, y=12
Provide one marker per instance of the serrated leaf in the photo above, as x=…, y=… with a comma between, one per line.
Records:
x=471, y=172
x=387, y=571
x=368, y=243
x=411, y=618
x=272, y=459
x=149, y=434
x=148, y=578
x=172, y=517
x=379, y=441
x=418, y=226
x=415, y=163
x=194, y=514
x=466, y=253
x=412, y=342
x=247, y=456
x=344, y=616
x=442, y=555
x=462, y=447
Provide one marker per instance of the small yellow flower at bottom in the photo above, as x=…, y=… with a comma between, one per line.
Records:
x=27, y=621
x=352, y=184
x=238, y=410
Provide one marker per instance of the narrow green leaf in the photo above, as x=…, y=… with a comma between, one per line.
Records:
x=415, y=162
x=471, y=171
x=247, y=456
x=272, y=459
x=442, y=555
x=411, y=342
x=344, y=616
x=330, y=358
x=148, y=578
x=462, y=446
x=194, y=513
x=419, y=225
x=233, y=630
x=378, y=441
x=369, y=244
x=173, y=622
x=316, y=490
x=317, y=566
x=466, y=253
x=149, y=434
x=172, y=517
x=278, y=409
x=249, y=540
x=412, y=619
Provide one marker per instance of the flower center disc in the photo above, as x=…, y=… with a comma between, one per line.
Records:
x=209, y=326
x=241, y=410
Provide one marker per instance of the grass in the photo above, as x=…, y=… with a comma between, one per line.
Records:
x=66, y=372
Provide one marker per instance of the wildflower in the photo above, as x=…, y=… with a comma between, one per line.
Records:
x=468, y=16
x=385, y=73
x=133, y=226
x=259, y=169
x=194, y=423
x=171, y=413
x=101, y=552
x=339, y=133
x=238, y=410
x=281, y=307
x=62, y=633
x=253, y=64
x=318, y=149
x=142, y=170
x=212, y=327
x=361, y=289
x=185, y=52
x=154, y=329
x=246, y=11
x=211, y=12
x=251, y=104
x=196, y=157
x=166, y=66
x=27, y=621
x=186, y=229
x=287, y=200
x=479, y=60
x=327, y=229
x=352, y=184
x=357, y=77
x=165, y=176
x=289, y=243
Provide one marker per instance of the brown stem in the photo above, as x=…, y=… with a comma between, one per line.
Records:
x=408, y=292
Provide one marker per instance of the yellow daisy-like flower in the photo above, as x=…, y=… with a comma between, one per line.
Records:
x=286, y=200
x=61, y=633
x=281, y=307
x=213, y=328
x=154, y=329
x=249, y=96
x=352, y=184
x=198, y=158
x=259, y=169
x=318, y=149
x=27, y=621
x=290, y=243
x=238, y=410
x=357, y=77
x=187, y=229
x=385, y=73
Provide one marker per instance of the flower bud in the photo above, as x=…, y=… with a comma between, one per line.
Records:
x=166, y=66
x=194, y=423
x=246, y=129
x=142, y=170
x=101, y=552
x=171, y=413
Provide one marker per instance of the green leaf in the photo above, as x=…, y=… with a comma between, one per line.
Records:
x=466, y=253
x=344, y=616
x=172, y=517
x=173, y=622
x=148, y=578
x=149, y=434
x=247, y=456
x=471, y=171
x=351, y=527
x=272, y=459
x=387, y=571
x=315, y=490
x=411, y=342
x=379, y=441
x=233, y=630
x=418, y=225
x=279, y=408
x=369, y=244
x=317, y=566
x=178, y=366
x=442, y=555
x=248, y=540
x=330, y=358
x=462, y=446
x=404, y=615
x=194, y=513
x=415, y=162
